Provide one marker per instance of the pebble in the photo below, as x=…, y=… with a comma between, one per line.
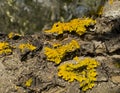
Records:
x=115, y=79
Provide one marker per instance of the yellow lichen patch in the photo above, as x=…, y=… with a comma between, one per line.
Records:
x=100, y=12
x=12, y=34
x=56, y=54
x=5, y=48
x=56, y=45
x=82, y=71
x=75, y=25
x=117, y=64
x=111, y=2
x=28, y=82
x=27, y=46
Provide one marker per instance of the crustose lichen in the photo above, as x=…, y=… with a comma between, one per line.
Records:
x=27, y=46
x=76, y=25
x=5, y=48
x=56, y=54
x=82, y=71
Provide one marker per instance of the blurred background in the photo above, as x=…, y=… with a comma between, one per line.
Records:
x=30, y=16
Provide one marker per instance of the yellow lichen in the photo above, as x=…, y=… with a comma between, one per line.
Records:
x=28, y=82
x=5, y=48
x=82, y=71
x=12, y=34
x=27, y=46
x=56, y=45
x=75, y=25
x=56, y=54
x=111, y=2
x=100, y=12
x=117, y=64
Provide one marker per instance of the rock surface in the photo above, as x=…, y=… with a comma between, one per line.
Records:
x=101, y=44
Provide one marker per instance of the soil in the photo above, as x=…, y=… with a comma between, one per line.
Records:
x=101, y=43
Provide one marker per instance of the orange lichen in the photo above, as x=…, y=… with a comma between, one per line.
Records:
x=75, y=25
x=82, y=71
x=56, y=54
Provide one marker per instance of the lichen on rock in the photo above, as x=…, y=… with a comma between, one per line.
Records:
x=5, y=48
x=83, y=71
x=28, y=46
x=76, y=25
x=56, y=54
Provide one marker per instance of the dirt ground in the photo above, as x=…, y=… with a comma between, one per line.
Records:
x=102, y=43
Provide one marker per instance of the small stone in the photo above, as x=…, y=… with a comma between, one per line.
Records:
x=102, y=76
x=74, y=88
x=115, y=79
x=103, y=79
x=113, y=10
